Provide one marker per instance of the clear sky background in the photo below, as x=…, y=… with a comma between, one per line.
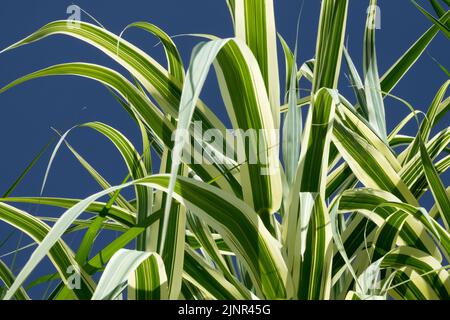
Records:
x=30, y=110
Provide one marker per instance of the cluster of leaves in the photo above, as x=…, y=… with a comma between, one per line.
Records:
x=340, y=219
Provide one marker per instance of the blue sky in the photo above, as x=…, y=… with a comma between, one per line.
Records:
x=29, y=111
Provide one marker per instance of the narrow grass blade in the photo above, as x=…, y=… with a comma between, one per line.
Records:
x=330, y=44
x=7, y=277
x=409, y=58
x=254, y=24
x=374, y=98
x=175, y=68
x=123, y=265
x=25, y=172
x=443, y=27
x=61, y=256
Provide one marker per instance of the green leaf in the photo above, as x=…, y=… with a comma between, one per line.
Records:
x=436, y=186
x=330, y=44
x=173, y=57
x=25, y=172
x=116, y=213
x=239, y=224
x=293, y=126
x=122, y=266
x=407, y=60
x=155, y=121
x=368, y=164
x=308, y=213
x=254, y=24
x=374, y=98
x=357, y=85
x=430, y=121
x=437, y=8
x=207, y=279
x=164, y=89
x=61, y=256
x=425, y=265
x=7, y=277
x=443, y=27
x=120, y=200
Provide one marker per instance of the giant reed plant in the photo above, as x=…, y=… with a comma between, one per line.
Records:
x=338, y=217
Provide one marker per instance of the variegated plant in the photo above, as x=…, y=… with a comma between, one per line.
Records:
x=339, y=219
